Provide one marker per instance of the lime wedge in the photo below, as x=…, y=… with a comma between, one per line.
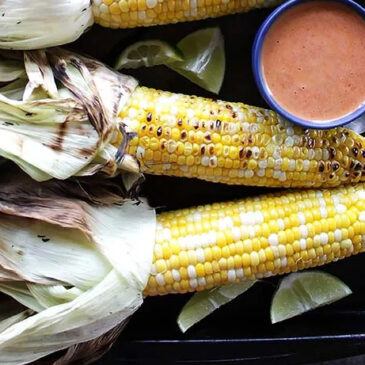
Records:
x=148, y=53
x=204, y=59
x=204, y=303
x=301, y=292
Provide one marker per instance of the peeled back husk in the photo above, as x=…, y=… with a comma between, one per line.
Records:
x=77, y=270
x=59, y=114
x=43, y=23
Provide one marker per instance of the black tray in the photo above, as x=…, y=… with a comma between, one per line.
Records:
x=240, y=332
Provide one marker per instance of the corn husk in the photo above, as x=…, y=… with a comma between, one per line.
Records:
x=59, y=114
x=358, y=125
x=77, y=270
x=43, y=23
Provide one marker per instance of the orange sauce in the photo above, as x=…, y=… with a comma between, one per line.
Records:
x=313, y=60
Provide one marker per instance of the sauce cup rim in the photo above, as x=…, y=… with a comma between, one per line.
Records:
x=261, y=83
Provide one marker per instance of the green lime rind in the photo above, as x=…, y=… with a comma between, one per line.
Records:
x=199, y=57
x=147, y=54
x=305, y=291
x=204, y=59
x=206, y=302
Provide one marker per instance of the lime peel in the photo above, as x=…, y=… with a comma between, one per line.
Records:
x=204, y=56
x=206, y=302
x=147, y=54
x=199, y=57
x=301, y=292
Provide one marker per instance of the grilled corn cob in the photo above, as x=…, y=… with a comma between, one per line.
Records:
x=161, y=133
x=204, y=247
x=136, y=13
x=233, y=143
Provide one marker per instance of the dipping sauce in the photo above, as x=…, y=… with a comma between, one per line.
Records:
x=313, y=60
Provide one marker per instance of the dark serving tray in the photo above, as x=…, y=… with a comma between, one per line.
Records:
x=240, y=332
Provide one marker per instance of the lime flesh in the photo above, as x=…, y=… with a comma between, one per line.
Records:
x=147, y=54
x=204, y=59
x=204, y=303
x=199, y=57
x=305, y=291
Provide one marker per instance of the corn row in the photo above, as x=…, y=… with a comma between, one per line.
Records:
x=204, y=247
x=135, y=13
x=233, y=143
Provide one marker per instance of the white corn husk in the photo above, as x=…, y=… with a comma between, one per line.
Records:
x=358, y=125
x=80, y=269
x=38, y=24
x=59, y=113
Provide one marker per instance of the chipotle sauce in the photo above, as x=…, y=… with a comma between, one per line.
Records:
x=313, y=60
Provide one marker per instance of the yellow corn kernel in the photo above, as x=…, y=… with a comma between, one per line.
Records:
x=161, y=266
x=184, y=285
x=203, y=158
x=222, y=264
x=184, y=259
x=200, y=270
x=208, y=267
x=168, y=278
x=234, y=245
x=246, y=260
x=174, y=262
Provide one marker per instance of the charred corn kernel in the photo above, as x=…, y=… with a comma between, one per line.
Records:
x=227, y=148
x=206, y=253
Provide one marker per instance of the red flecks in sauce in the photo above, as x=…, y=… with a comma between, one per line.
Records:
x=313, y=60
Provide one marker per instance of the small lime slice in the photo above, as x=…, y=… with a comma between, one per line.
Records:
x=148, y=53
x=301, y=292
x=204, y=303
x=204, y=59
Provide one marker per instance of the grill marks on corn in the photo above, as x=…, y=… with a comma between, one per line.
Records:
x=234, y=143
x=207, y=246
x=134, y=13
